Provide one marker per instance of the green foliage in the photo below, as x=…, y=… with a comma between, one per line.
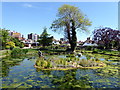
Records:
x=100, y=47
x=17, y=42
x=68, y=62
x=97, y=59
x=70, y=82
x=97, y=51
x=21, y=45
x=9, y=42
x=8, y=62
x=24, y=50
x=43, y=63
x=108, y=71
x=88, y=63
x=61, y=61
x=45, y=40
x=89, y=47
x=4, y=37
x=7, y=47
x=17, y=52
x=10, y=45
x=49, y=64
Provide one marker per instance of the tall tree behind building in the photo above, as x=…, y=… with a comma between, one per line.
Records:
x=45, y=39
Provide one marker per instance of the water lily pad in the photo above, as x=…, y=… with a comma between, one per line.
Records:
x=50, y=76
x=5, y=85
x=29, y=86
x=15, y=80
x=45, y=86
x=30, y=80
x=39, y=81
x=25, y=77
x=14, y=85
x=34, y=84
x=22, y=87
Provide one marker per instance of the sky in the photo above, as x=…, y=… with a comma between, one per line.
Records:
x=32, y=17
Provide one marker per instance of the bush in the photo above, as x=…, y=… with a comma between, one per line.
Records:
x=104, y=52
x=88, y=63
x=100, y=47
x=43, y=64
x=97, y=59
x=96, y=51
x=21, y=45
x=49, y=65
x=25, y=51
x=89, y=47
x=16, y=52
x=7, y=47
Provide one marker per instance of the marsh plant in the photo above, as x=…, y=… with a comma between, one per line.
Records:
x=55, y=62
x=43, y=63
x=88, y=63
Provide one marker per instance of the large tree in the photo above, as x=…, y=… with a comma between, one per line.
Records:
x=4, y=37
x=107, y=37
x=70, y=19
x=45, y=39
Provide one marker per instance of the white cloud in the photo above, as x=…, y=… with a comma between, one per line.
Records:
x=27, y=5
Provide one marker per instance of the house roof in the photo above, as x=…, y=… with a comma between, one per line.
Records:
x=90, y=44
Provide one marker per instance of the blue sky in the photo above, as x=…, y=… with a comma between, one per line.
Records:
x=32, y=17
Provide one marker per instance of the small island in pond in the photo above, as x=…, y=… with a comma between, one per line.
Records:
x=55, y=63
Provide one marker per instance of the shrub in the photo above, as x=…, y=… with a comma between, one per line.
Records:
x=88, y=63
x=89, y=47
x=100, y=47
x=7, y=47
x=49, y=65
x=11, y=44
x=96, y=51
x=21, y=45
x=17, y=52
x=104, y=52
x=43, y=63
x=97, y=59
x=25, y=51
x=65, y=62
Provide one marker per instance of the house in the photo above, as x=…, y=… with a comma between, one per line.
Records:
x=29, y=43
x=56, y=42
x=89, y=42
x=80, y=43
x=15, y=34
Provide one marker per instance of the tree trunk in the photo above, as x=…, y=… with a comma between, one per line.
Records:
x=74, y=38
x=68, y=32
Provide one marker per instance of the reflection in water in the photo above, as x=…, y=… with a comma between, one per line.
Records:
x=5, y=69
x=69, y=80
x=20, y=73
x=7, y=63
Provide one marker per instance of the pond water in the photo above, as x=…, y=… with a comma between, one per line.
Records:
x=20, y=73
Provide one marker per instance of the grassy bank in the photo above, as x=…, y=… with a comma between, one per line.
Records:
x=105, y=52
x=4, y=53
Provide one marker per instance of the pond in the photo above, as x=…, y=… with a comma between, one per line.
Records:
x=20, y=73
